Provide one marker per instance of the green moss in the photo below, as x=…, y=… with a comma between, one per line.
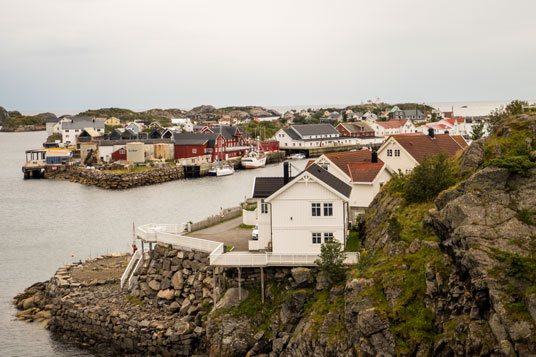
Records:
x=526, y=215
x=134, y=300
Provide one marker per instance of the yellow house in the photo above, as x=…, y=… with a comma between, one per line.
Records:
x=113, y=121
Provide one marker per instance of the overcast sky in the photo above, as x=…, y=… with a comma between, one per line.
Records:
x=79, y=54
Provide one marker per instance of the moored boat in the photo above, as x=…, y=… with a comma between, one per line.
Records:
x=224, y=170
x=253, y=160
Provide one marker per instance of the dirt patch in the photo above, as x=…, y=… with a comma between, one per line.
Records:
x=100, y=269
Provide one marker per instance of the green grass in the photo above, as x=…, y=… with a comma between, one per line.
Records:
x=353, y=244
x=246, y=226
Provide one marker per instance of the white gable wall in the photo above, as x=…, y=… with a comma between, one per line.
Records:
x=293, y=222
x=403, y=163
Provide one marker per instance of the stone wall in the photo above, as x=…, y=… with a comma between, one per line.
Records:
x=166, y=312
x=110, y=180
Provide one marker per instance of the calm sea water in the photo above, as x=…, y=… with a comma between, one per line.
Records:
x=44, y=222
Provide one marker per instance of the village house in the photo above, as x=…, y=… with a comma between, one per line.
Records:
x=297, y=215
x=236, y=141
x=112, y=121
x=453, y=126
x=401, y=153
x=51, y=125
x=311, y=135
x=136, y=127
x=357, y=130
x=393, y=127
x=185, y=124
x=411, y=114
x=73, y=127
x=369, y=117
x=362, y=170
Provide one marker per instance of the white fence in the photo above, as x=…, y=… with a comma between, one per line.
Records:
x=169, y=234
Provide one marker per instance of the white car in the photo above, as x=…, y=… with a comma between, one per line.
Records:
x=255, y=233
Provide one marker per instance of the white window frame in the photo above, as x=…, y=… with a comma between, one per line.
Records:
x=316, y=209
x=316, y=238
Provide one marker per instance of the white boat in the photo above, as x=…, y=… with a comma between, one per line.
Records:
x=224, y=170
x=298, y=156
x=253, y=160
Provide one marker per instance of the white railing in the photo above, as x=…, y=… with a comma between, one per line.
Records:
x=135, y=270
x=169, y=234
x=126, y=274
x=291, y=259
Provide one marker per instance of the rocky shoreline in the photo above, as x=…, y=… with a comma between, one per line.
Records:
x=165, y=313
x=110, y=180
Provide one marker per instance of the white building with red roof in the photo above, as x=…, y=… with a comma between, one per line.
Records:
x=362, y=170
x=401, y=153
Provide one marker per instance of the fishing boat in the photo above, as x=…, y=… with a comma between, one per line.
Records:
x=224, y=170
x=255, y=158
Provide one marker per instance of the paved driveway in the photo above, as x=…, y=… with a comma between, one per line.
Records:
x=227, y=232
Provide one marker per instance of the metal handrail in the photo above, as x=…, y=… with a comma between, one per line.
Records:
x=126, y=274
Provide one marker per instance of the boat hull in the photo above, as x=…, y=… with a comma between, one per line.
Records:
x=253, y=163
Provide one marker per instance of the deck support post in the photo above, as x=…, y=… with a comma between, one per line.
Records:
x=151, y=246
x=262, y=285
x=214, y=297
x=239, y=284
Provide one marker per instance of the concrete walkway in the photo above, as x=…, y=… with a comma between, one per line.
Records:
x=227, y=232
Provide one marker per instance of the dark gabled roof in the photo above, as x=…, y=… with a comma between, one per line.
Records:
x=195, y=139
x=293, y=135
x=52, y=120
x=264, y=187
x=330, y=180
x=228, y=132
x=82, y=123
x=314, y=129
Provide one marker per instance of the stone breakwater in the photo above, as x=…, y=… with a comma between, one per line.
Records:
x=165, y=313
x=110, y=180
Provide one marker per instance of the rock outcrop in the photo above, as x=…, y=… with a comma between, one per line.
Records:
x=4, y=116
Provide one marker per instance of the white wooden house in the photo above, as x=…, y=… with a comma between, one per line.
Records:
x=362, y=170
x=401, y=153
x=296, y=215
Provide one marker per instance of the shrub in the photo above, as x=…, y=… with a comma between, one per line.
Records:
x=433, y=175
x=478, y=131
x=331, y=260
x=516, y=164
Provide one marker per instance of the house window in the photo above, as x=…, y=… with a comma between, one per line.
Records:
x=317, y=238
x=315, y=209
x=389, y=152
x=397, y=152
x=264, y=207
x=328, y=237
x=328, y=209
x=194, y=151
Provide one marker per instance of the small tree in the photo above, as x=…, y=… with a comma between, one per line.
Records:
x=478, y=131
x=433, y=175
x=331, y=260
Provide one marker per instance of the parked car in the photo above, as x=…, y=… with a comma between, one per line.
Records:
x=255, y=233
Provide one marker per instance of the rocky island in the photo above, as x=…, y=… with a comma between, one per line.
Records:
x=450, y=275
